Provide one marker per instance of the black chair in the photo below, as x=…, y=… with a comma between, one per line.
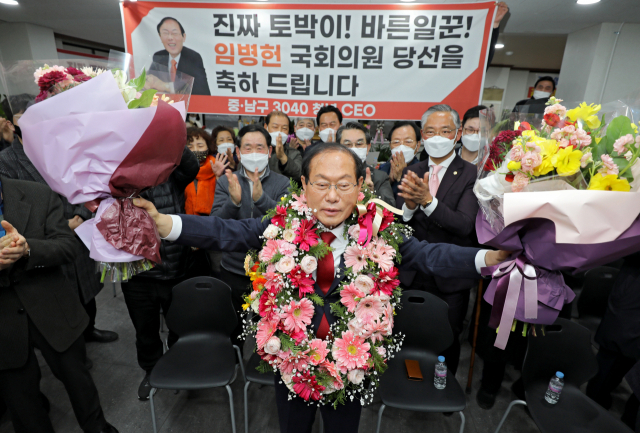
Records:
x=424, y=322
x=254, y=376
x=202, y=315
x=565, y=347
x=598, y=284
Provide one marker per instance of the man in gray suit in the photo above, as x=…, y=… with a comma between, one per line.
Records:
x=357, y=138
x=39, y=308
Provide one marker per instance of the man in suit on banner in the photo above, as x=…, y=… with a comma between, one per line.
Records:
x=342, y=170
x=439, y=204
x=176, y=58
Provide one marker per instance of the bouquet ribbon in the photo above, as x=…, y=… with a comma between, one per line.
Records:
x=512, y=276
x=370, y=219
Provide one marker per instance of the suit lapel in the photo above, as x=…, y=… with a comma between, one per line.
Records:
x=453, y=173
x=16, y=211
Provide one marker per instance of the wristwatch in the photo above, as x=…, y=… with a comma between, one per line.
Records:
x=428, y=203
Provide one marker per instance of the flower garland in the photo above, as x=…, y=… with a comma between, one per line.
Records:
x=349, y=362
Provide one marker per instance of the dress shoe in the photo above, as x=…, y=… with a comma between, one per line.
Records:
x=485, y=399
x=145, y=388
x=109, y=429
x=99, y=336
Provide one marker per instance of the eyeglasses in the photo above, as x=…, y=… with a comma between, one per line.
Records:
x=468, y=131
x=442, y=133
x=174, y=33
x=409, y=142
x=357, y=143
x=342, y=187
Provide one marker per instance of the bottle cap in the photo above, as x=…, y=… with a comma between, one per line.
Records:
x=441, y=358
x=560, y=374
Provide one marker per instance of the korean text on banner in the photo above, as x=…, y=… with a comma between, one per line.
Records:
x=371, y=61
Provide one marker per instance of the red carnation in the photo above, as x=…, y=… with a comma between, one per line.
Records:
x=524, y=126
x=73, y=71
x=387, y=281
x=278, y=218
x=551, y=119
x=42, y=96
x=50, y=79
x=306, y=235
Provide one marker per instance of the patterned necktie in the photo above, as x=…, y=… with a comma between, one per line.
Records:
x=324, y=277
x=434, y=182
x=173, y=70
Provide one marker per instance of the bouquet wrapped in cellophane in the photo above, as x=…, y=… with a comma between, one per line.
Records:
x=100, y=139
x=558, y=189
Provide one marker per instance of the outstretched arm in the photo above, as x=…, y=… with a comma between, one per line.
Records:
x=210, y=233
x=447, y=260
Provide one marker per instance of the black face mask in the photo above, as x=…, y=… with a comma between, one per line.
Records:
x=201, y=154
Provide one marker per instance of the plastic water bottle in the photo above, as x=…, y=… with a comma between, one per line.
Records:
x=440, y=378
x=555, y=388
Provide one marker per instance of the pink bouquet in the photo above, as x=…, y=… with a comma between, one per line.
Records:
x=91, y=146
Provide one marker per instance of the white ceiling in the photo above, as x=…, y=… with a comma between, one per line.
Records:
x=99, y=20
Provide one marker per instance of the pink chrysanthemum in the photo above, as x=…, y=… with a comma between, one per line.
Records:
x=286, y=248
x=348, y=296
x=332, y=370
x=307, y=387
x=355, y=258
x=274, y=281
x=266, y=329
x=317, y=351
x=297, y=315
x=369, y=306
x=350, y=352
x=269, y=250
x=380, y=254
x=298, y=362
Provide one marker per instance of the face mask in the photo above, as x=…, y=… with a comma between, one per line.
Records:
x=361, y=152
x=324, y=135
x=539, y=94
x=274, y=137
x=222, y=148
x=407, y=151
x=438, y=146
x=201, y=154
x=471, y=142
x=251, y=161
x=305, y=134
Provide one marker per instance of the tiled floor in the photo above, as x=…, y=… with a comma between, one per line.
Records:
x=117, y=377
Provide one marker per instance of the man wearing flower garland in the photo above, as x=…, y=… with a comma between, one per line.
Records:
x=328, y=270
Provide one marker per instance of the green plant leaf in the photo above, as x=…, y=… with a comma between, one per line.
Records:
x=316, y=299
x=139, y=81
x=134, y=103
x=147, y=98
x=618, y=127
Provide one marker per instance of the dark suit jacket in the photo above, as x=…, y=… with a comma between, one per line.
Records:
x=452, y=221
x=213, y=233
x=382, y=185
x=190, y=63
x=36, y=287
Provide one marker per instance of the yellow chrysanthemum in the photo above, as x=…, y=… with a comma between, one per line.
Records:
x=548, y=148
x=567, y=161
x=609, y=182
x=514, y=165
x=586, y=113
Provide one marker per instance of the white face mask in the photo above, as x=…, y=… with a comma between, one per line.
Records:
x=471, y=142
x=251, y=161
x=361, y=152
x=438, y=146
x=324, y=135
x=222, y=148
x=305, y=134
x=539, y=94
x=274, y=137
x=407, y=151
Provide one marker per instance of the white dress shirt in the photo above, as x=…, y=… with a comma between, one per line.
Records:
x=339, y=244
x=428, y=210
